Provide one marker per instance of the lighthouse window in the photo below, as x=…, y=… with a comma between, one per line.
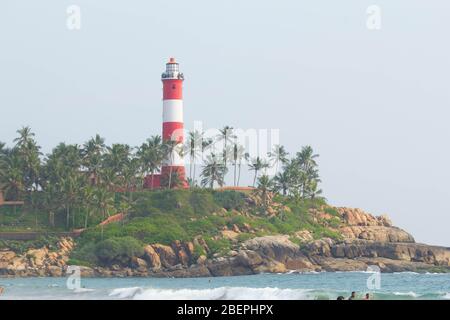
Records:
x=174, y=86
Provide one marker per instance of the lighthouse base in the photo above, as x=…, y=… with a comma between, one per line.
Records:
x=162, y=180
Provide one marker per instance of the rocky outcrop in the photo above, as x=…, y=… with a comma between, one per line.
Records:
x=376, y=233
x=37, y=262
x=365, y=240
x=166, y=255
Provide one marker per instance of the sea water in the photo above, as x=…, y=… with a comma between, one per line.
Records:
x=295, y=286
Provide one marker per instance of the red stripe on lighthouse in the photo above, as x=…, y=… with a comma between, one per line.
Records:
x=173, y=131
x=173, y=89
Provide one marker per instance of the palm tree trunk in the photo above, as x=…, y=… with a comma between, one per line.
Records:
x=190, y=168
x=67, y=216
x=153, y=177
x=239, y=175
x=193, y=178
x=170, y=177
x=254, y=179
x=234, y=178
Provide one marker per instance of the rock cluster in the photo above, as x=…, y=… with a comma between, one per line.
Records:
x=365, y=240
x=36, y=262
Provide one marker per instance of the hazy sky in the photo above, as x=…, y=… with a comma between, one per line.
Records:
x=373, y=103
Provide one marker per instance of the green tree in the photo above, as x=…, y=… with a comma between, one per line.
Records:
x=11, y=177
x=213, y=172
x=172, y=149
x=92, y=153
x=151, y=154
x=238, y=153
x=226, y=136
x=29, y=155
x=278, y=156
x=256, y=165
x=265, y=186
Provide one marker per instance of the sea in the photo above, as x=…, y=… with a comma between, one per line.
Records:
x=294, y=286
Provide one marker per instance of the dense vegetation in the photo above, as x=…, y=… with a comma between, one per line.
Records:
x=78, y=186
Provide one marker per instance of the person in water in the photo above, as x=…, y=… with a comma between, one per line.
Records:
x=340, y=298
x=1, y=290
x=353, y=296
x=367, y=296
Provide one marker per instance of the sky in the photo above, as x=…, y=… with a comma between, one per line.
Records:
x=374, y=103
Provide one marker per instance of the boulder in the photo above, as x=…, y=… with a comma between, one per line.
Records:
x=181, y=253
x=152, y=257
x=276, y=247
x=166, y=254
x=37, y=256
x=54, y=271
x=300, y=264
x=376, y=233
x=138, y=263
x=201, y=260
x=249, y=258
x=7, y=256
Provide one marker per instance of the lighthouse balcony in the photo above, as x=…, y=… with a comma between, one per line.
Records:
x=172, y=75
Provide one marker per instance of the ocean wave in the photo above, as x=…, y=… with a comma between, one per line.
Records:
x=83, y=290
x=446, y=296
x=409, y=294
x=221, y=293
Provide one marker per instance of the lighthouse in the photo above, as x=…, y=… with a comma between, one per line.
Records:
x=172, y=129
x=173, y=126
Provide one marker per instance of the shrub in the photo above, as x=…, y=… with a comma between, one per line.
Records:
x=230, y=200
x=119, y=250
x=220, y=246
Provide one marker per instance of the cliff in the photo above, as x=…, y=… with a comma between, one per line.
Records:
x=364, y=240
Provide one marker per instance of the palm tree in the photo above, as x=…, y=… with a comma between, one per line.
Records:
x=3, y=150
x=51, y=202
x=257, y=165
x=92, y=156
x=11, y=176
x=172, y=149
x=238, y=153
x=88, y=196
x=206, y=144
x=265, y=185
x=193, y=146
x=151, y=155
x=307, y=158
x=226, y=135
x=282, y=181
x=278, y=155
x=313, y=190
x=246, y=157
x=25, y=136
x=29, y=154
x=69, y=188
x=104, y=201
x=213, y=172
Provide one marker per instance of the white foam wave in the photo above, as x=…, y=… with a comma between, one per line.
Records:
x=221, y=293
x=125, y=293
x=83, y=290
x=409, y=294
x=446, y=296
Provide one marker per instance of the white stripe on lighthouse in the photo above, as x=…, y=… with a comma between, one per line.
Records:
x=172, y=110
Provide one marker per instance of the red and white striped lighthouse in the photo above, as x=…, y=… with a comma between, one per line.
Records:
x=173, y=126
